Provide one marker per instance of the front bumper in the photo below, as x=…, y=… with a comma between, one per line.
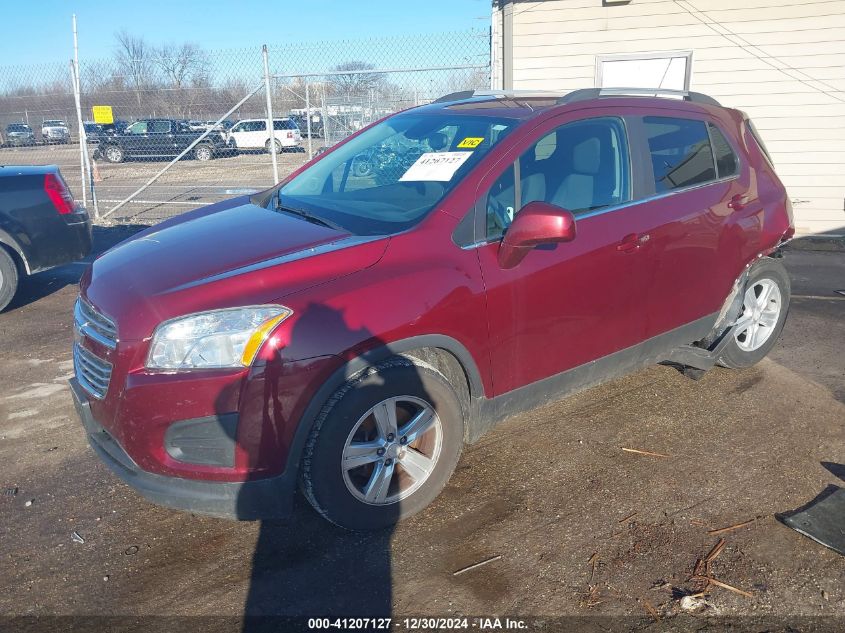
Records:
x=269, y=498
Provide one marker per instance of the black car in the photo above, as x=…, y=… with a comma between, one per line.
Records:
x=41, y=226
x=158, y=138
x=19, y=134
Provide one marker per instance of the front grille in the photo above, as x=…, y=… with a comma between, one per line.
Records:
x=93, y=373
x=91, y=323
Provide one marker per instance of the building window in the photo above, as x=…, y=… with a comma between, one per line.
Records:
x=645, y=70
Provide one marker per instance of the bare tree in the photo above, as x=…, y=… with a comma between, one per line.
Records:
x=182, y=64
x=134, y=59
x=357, y=82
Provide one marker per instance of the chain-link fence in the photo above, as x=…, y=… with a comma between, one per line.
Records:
x=211, y=111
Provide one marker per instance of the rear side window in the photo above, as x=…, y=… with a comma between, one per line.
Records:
x=159, y=127
x=726, y=162
x=680, y=152
x=284, y=124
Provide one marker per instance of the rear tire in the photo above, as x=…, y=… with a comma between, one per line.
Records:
x=203, y=152
x=764, y=309
x=8, y=278
x=398, y=472
x=278, y=146
x=113, y=154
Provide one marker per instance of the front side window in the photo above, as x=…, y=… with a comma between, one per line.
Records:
x=680, y=152
x=139, y=127
x=580, y=166
x=390, y=176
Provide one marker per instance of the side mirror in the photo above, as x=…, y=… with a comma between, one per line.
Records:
x=536, y=223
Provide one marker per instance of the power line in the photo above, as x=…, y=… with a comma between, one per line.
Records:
x=759, y=57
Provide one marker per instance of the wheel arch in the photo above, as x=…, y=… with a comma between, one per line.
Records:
x=445, y=353
x=8, y=243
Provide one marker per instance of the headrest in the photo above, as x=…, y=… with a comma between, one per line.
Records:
x=437, y=141
x=586, y=156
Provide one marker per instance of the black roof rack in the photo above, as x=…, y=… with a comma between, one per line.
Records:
x=583, y=95
x=455, y=96
x=596, y=93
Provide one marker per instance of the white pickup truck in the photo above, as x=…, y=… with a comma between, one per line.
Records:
x=55, y=131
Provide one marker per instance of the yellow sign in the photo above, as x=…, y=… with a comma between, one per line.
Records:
x=471, y=142
x=102, y=115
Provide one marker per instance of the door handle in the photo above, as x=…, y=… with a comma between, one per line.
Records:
x=738, y=201
x=632, y=242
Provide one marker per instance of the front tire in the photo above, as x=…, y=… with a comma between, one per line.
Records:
x=383, y=446
x=764, y=309
x=8, y=278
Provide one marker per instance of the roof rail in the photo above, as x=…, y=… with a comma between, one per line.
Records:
x=503, y=94
x=595, y=93
x=455, y=96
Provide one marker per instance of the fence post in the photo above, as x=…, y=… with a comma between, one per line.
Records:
x=184, y=152
x=308, y=119
x=83, y=145
x=75, y=82
x=270, y=125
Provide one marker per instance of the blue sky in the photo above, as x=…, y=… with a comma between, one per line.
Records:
x=37, y=31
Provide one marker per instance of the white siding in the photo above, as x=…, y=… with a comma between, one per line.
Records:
x=781, y=61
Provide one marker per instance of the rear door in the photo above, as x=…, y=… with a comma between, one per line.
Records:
x=566, y=305
x=163, y=140
x=698, y=248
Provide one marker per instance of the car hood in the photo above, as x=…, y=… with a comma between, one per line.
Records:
x=221, y=256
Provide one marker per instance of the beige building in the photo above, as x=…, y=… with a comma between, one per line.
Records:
x=781, y=61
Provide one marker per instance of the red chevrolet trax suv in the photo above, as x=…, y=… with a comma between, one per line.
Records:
x=352, y=328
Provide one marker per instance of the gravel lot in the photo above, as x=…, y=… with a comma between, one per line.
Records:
x=187, y=185
x=582, y=528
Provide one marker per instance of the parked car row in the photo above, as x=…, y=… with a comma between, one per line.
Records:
x=163, y=138
x=52, y=131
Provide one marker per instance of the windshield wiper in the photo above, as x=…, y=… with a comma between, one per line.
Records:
x=307, y=215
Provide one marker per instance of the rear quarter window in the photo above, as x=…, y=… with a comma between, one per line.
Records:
x=726, y=161
x=753, y=129
x=680, y=152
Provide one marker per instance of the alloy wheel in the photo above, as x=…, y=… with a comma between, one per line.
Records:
x=392, y=450
x=761, y=308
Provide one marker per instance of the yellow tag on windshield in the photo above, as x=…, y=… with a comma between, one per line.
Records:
x=471, y=142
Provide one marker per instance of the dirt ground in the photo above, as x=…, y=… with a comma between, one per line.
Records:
x=581, y=528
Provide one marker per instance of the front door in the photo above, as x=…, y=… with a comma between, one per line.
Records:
x=568, y=304
x=250, y=134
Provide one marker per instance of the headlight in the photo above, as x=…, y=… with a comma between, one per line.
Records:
x=219, y=338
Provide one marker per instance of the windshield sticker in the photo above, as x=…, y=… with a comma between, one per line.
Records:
x=435, y=166
x=471, y=142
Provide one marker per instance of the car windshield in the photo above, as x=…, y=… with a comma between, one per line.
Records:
x=389, y=177
x=18, y=127
x=54, y=123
